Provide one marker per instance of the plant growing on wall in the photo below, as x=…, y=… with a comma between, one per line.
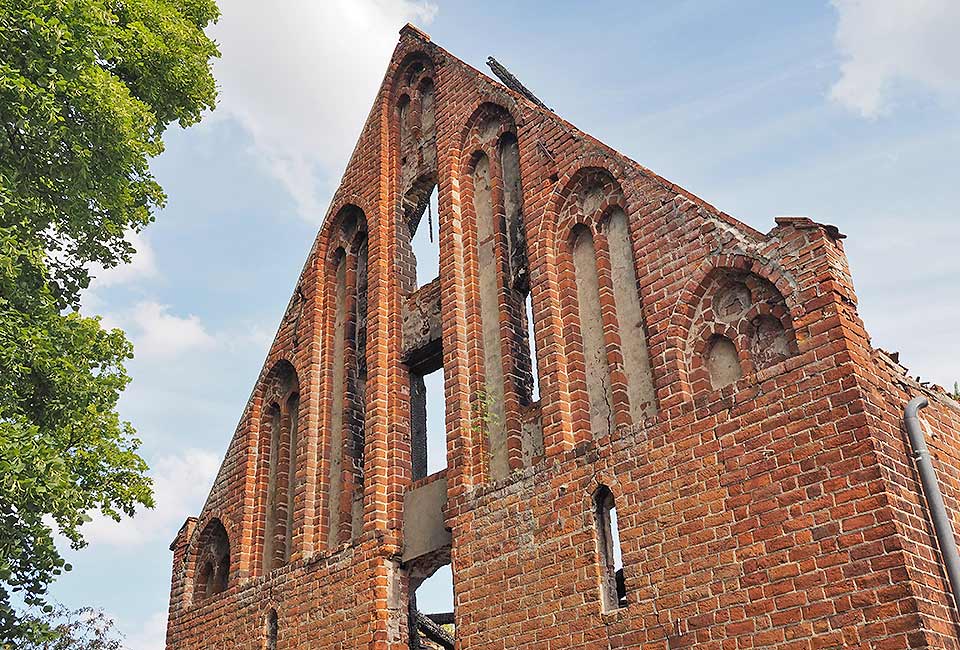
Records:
x=483, y=416
x=87, y=90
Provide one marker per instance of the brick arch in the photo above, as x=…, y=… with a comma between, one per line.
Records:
x=213, y=528
x=406, y=75
x=342, y=234
x=281, y=370
x=494, y=244
x=570, y=207
x=339, y=205
x=704, y=340
x=456, y=163
x=276, y=462
x=685, y=336
x=471, y=140
x=551, y=225
x=407, y=89
x=347, y=239
x=567, y=184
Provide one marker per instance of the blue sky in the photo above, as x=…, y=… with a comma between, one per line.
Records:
x=844, y=111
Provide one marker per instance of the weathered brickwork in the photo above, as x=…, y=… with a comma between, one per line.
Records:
x=711, y=385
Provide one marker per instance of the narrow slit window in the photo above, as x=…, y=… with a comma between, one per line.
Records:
x=613, y=592
x=532, y=343
x=271, y=625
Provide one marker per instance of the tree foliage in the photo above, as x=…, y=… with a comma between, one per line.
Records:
x=87, y=89
x=81, y=629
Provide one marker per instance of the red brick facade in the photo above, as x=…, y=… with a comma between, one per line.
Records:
x=712, y=382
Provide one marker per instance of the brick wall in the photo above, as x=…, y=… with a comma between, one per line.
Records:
x=754, y=448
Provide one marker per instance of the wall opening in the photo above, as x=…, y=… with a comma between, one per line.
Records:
x=425, y=240
x=431, y=611
x=500, y=320
x=271, y=628
x=613, y=593
x=417, y=255
x=428, y=420
x=436, y=422
x=532, y=349
x=357, y=389
x=428, y=429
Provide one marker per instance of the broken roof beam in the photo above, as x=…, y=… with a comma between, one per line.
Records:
x=513, y=83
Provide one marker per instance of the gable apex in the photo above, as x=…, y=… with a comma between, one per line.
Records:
x=416, y=32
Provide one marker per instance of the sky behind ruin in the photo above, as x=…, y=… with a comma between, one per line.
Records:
x=843, y=111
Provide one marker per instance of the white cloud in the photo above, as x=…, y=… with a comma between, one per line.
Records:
x=891, y=42
x=150, y=634
x=302, y=80
x=158, y=334
x=142, y=266
x=255, y=336
x=180, y=484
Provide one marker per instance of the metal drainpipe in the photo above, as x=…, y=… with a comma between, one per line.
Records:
x=931, y=490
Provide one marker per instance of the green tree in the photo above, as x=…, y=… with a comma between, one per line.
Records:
x=87, y=89
x=81, y=629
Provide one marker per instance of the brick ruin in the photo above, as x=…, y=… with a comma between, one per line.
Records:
x=664, y=429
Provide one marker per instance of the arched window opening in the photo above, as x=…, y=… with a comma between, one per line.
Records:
x=212, y=574
x=613, y=385
x=517, y=284
x=415, y=155
x=505, y=397
x=271, y=628
x=613, y=592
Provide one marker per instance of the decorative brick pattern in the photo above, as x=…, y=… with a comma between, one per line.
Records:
x=765, y=496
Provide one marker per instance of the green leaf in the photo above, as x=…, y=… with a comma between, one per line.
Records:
x=87, y=89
